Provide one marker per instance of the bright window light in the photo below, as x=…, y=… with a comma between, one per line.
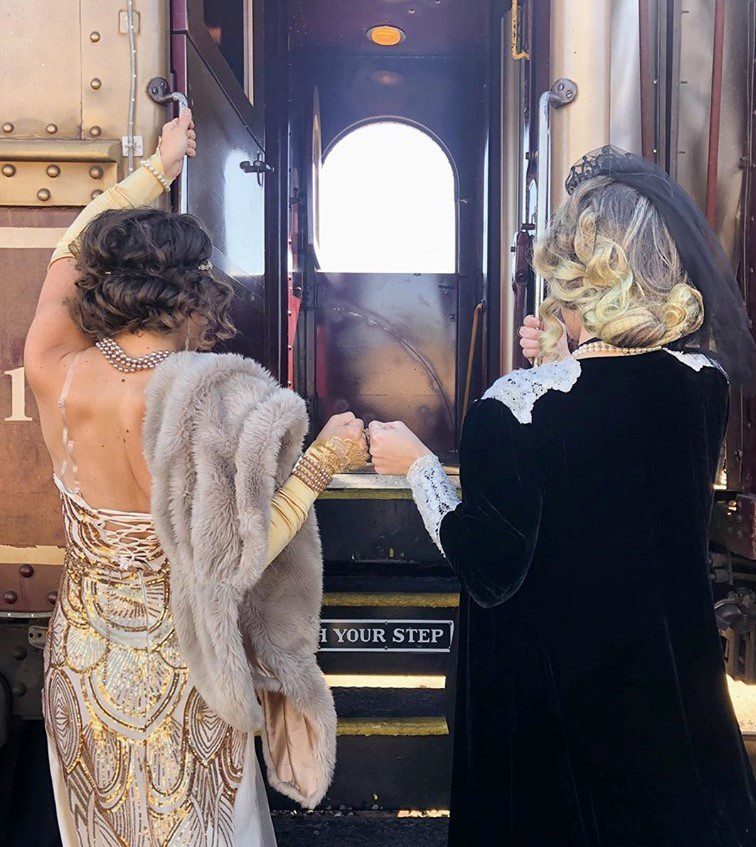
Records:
x=387, y=203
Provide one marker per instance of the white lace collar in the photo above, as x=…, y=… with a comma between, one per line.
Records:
x=520, y=390
x=696, y=361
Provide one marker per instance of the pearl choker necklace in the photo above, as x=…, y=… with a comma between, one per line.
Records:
x=590, y=348
x=121, y=361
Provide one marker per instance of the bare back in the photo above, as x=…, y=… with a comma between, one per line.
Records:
x=91, y=418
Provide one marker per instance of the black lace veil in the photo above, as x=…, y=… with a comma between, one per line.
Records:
x=726, y=331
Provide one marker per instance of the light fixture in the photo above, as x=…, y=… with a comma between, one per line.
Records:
x=386, y=36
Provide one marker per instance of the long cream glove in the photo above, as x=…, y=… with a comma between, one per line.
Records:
x=140, y=188
x=292, y=502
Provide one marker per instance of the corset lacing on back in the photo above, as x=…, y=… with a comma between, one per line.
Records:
x=109, y=538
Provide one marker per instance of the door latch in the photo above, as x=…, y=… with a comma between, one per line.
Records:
x=259, y=167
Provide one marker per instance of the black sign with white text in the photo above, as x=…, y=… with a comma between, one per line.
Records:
x=390, y=636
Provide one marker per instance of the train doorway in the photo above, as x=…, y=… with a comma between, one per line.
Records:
x=388, y=157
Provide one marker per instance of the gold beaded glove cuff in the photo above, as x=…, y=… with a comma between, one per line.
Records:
x=312, y=473
x=317, y=467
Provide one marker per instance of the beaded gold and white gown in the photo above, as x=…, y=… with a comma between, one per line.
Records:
x=137, y=757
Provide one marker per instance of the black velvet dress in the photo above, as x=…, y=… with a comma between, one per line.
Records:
x=592, y=706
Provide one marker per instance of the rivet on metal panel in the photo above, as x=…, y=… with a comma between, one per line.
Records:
x=18, y=689
x=43, y=194
x=94, y=37
x=96, y=172
x=96, y=193
x=95, y=132
x=51, y=129
x=10, y=597
x=19, y=653
x=96, y=84
x=52, y=171
x=8, y=127
x=9, y=170
x=26, y=571
x=52, y=597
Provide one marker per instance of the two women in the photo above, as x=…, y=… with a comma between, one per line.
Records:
x=138, y=757
x=592, y=707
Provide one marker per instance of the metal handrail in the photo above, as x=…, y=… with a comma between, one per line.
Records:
x=561, y=93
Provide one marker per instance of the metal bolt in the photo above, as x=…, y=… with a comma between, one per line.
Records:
x=26, y=571
x=96, y=193
x=94, y=37
x=95, y=132
x=96, y=172
x=52, y=171
x=43, y=194
x=8, y=127
x=51, y=129
x=52, y=597
x=9, y=170
x=19, y=653
x=10, y=597
x=96, y=84
x=18, y=689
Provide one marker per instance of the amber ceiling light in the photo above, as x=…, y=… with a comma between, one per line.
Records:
x=386, y=36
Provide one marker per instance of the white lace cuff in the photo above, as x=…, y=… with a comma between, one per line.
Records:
x=433, y=493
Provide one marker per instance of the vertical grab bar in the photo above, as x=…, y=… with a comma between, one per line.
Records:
x=159, y=91
x=562, y=92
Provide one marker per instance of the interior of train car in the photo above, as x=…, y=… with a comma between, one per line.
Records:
x=389, y=135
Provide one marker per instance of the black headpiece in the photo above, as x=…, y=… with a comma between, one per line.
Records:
x=726, y=327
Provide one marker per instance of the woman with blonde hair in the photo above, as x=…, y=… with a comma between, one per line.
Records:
x=592, y=706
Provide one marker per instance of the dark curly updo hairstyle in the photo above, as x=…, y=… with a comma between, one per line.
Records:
x=139, y=269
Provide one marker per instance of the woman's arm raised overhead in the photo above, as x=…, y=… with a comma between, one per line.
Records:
x=53, y=334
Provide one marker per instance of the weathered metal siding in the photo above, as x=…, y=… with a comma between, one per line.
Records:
x=64, y=103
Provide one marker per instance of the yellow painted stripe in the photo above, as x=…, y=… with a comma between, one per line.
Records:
x=423, y=813
x=39, y=555
x=359, y=680
x=434, y=600
x=392, y=726
x=36, y=237
x=366, y=494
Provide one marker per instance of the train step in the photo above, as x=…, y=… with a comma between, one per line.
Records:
x=347, y=828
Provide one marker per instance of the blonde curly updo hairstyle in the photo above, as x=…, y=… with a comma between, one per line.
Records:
x=609, y=256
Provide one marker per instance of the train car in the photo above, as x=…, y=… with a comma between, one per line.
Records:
x=373, y=174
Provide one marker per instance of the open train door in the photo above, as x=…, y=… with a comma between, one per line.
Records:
x=217, y=62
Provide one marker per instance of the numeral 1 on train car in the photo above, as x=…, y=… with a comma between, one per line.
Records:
x=18, y=395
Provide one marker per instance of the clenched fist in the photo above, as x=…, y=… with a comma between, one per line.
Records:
x=394, y=447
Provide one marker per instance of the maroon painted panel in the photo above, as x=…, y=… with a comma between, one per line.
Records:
x=29, y=506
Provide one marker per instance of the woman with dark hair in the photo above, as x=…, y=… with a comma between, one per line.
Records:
x=137, y=756
x=592, y=706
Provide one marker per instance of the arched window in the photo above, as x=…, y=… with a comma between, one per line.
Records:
x=387, y=203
